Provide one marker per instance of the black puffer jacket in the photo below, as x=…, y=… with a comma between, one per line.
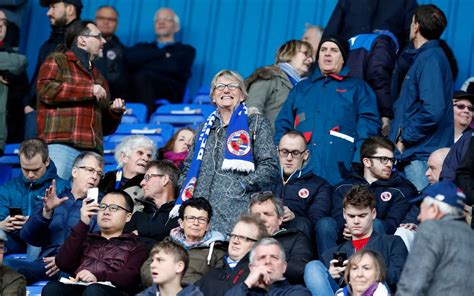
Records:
x=221, y=279
x=298, y=252
x=153, y=224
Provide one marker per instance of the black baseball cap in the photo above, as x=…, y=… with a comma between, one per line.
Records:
x=76, y=3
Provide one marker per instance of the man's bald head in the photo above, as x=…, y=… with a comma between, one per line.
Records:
x=435, y=164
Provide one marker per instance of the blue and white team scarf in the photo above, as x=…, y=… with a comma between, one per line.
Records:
x=238, y=153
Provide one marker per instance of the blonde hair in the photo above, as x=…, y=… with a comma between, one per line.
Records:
x=376, y=258
x=289, y=50
x=229, y=74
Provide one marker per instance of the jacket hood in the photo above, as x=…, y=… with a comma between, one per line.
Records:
x=304, y=173
x=51, y=173
x=210, y=237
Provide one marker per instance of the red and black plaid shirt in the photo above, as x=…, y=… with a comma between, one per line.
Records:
x=68, y=112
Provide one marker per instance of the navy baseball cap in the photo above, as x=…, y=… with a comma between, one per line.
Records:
x=76, y=3
x=445, y=191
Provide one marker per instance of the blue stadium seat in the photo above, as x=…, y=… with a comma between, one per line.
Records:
x=180, y=115
x=136, y=113
x=10, y=156
x=159, y=133
x=202, y=99
x=34, y=290
x=6, y=172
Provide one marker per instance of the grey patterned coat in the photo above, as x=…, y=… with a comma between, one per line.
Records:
x=229, y=191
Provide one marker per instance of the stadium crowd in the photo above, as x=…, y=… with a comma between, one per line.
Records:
x=344, y=168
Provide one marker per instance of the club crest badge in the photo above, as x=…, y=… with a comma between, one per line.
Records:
x=238, y=143
x=189, y=189
x=303, y=193
x=111, y=55
x=386, y=196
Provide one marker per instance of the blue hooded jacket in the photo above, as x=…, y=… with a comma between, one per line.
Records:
x=335, y=113
x=423, y=111
x=21, y=193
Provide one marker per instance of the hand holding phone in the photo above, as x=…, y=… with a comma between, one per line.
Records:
x=93, y=193
x=340, y=257
x=15, y=212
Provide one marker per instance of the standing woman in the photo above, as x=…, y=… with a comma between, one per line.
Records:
x=232, y=156
x=269, y=86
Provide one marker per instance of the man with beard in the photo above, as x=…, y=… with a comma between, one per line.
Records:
x=74, y=108
x=61, y=14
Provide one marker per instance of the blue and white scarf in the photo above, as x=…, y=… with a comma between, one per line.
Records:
x=289, y=70
x=238, y=153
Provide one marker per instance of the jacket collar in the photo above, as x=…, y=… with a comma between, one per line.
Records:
x=343, y=74
x=82, y=56
x=48, y=175
x=427, y=45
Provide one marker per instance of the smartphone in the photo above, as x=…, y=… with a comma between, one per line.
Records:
x=15, y=211
x=340, y=257
x=94, y=194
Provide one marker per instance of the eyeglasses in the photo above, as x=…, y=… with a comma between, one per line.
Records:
x=307, y=53
x=91, y=171
x=147, y=177
x=103, y=18
x=98, y=35
x=112, y=208
x=230, y=86
x=464, y=106
x=192, y=219
x=241, y=238
x=384, y=159
x=164, y=19
x=294, y=153
x=3, y=250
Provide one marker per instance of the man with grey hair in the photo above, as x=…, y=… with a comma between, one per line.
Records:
x=160, y=69
x=441, y=261
x=297, y=247
x=151, y=219
x=132, y=156
x=312, y=35
x=51, y=224
x=267, y=266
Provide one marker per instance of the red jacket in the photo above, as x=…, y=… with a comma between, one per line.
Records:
x=117, y=260
x=68, y=112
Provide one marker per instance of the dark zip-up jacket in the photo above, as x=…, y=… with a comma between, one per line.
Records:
x=221, y=279
x=305, y=194
x=392, y=199
x=391, y=247
x=153, y=224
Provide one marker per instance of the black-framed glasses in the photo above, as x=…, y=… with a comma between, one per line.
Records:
x=147, y=177
x=112, y=207
x=98, y=35
x=384, y=159
x=230, y=86
x=108, y=19
x=464, y=106
x=91, y=171
x=241, y=238
x=286, y=152
x=192, y=219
